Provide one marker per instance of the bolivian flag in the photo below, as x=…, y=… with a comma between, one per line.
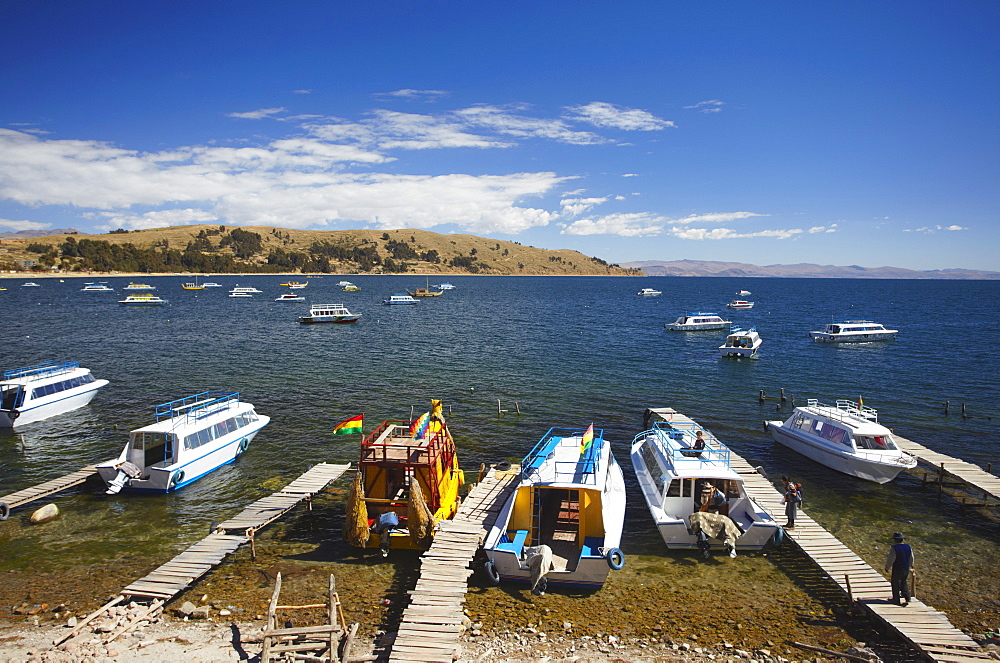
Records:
x=350, y=426
x=587, y=440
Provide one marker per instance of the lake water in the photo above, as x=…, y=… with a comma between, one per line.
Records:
x=566, y=351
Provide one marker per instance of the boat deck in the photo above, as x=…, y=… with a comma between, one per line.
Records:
x=926, y=629
x=432, y=623
x=50, y=487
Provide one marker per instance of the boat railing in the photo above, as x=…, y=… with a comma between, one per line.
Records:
x=380, y=447
x=39, y=371
x=677, y=438
x=585, y=465
x=197, y=406
x=847, y=410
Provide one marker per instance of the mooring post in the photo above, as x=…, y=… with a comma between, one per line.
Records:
x=793, y=400
x=782, y=394
x=947, y=404
x=941, y=481
x=761, y=395
x=411, y=413
x=964, y=415
x=850, y=595
x=517, y=408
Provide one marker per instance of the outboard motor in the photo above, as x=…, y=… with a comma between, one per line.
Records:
x=126, y=472
x=383, y=527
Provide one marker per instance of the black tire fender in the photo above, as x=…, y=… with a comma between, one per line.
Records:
x=616, y=559
x=491, y=574
x=4, y=511
x=177, y=477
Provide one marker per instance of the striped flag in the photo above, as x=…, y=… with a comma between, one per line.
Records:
x=587, y=440
x=350, y=426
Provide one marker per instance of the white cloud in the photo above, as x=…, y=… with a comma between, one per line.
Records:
x=727, y=233
x=502, y=121
x=929, y=230
x=413, y=95
x=609, y=116
x=17, y=226
x=301, y=91
x=258, y=114
x=710, y=106
x=832, y=228
x=630, y=175
x=716, y=218
x=577, y=206
x=640, y=224
x=421, y=132
x=158, y=219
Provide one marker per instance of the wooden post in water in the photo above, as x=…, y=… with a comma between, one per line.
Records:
x=517, y=408
x=850, y=595
x=941, y=481
x=947, y=404
x=782, y=394
x=964, y=415
x=761, y=396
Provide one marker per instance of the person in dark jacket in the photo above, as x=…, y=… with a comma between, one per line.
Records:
x=791, y=501
x=899, y=562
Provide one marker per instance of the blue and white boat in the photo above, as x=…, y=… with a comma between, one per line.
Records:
x=699, y=321
x=38, y=392
x=328, y=313
x=673, y=472
x=96, y=287
x=741, y=342
x=854, y=331
x=570, y=499
x=192, y=436
x=399, y=299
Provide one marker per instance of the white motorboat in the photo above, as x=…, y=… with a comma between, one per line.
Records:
x=649, y=292
x=445, y=286
x=740, y=303
x=96, y=287
x=743, y=293
x=697, y=321
x=139, y=286
x=290, y=297
x=341, y=284
x=570, y=499
x=846, y=438
x=211, y=284
x=192, y=436
x=741, y=342
x=399, y=299
x=673, y=473
x=328, y=313
x=30, y=284
x=350, y=287
x=143, y=299
x=38, y=392
x=856, y=331
x=237, y=291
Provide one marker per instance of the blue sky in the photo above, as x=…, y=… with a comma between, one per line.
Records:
x=763, y=132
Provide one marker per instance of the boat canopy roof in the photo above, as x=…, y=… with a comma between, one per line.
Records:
x=674, y=441
x=560, y=458
x=40, y=371
x=856, y=416
x=699, y=313
x=198, y=406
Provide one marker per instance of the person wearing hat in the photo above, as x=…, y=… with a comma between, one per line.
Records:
x=791, y=500
x=899, y=562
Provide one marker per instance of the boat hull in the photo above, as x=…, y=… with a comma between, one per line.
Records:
x=329, y=318
x=870, y=470
x=860, y=337
x=738, y=352
x=51, y=406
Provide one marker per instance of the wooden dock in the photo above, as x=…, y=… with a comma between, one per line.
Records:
x=926, y=629
x=969, y=474
x=166, y=581
x=432, y=623
x=51, y=487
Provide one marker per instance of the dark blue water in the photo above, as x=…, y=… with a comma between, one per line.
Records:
x=566, y=351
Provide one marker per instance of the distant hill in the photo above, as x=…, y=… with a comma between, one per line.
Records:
x=28, y=234
x=801, y=270
x=263, y=249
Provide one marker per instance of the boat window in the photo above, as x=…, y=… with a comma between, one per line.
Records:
x=834, y=434
x=803, y=422
x=652, y=466
x=877, y=442
x=674, y=489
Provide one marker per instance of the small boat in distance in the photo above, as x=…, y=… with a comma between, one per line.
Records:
x=854, y=331
x=30, y=284
x=445, y=286
x=139, y=286
x=350, y=287
x=649, y=292
x=743, y=293
x=399, y=299
x=741, y=342
x=569, y=506
x=426, y=291
x=192, y=436
x=328, y=313
x=96, y=287
x=698, y=321
x=290, y=297
x=44, y=390
x=343, y=283
x=294, y=285
x=408, y=479
x=673, y=472
x=237, y=291
x=846, y=438
x=143, y=299
x=193, y=286
x=211, y=284
x=740, y=303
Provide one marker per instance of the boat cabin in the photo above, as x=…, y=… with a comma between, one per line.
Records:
x=840, y=425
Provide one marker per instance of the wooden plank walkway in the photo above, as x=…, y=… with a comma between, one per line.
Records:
x=925, y=628
x=970, y=474
x=432, y=623
x=50, y=487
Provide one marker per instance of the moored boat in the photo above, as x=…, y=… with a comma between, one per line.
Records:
x=408, y=478
x=741, y=342
x=30, y=284
x=139, y=286
x=44, y=390
x=568, y=508
x=425, y=291
x=740, y=303
x=675, y=461
x=350, y=287
x=328, y=313
x=649, y=292
x=846, y=437
x=698, y=321
x=211, y=284
x=399, y=299
x=143, y=299
x=290, y=297
x=237, y=291
x=445, y=286
x=295, y=285
x=191, y=437
x=743, y=293
x=854, y=331
x=96, y=287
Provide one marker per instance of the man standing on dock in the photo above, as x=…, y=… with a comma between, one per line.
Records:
x=900, y=561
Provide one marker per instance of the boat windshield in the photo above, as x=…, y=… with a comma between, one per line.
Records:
x=877, y=442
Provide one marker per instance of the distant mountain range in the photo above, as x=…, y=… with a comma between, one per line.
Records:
x=28, y=234
x=801, y=270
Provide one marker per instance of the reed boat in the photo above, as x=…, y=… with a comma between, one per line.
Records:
x=674, y=467
x=408, y=479
x=44, y=390
x=846, y=437
x=191, y=437
x=563, y=523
